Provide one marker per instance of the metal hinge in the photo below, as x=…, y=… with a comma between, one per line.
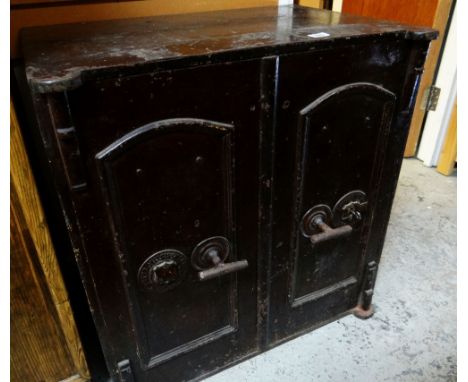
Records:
x=430, y=98
x=124, y=371
x=364, y=309
x=369, y=283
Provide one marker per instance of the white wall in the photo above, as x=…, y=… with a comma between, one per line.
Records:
x=437, y=121
x=337, y=5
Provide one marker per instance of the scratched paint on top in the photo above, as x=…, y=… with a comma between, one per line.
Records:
x=57, y=55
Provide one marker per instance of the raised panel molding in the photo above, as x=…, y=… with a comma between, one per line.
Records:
x=141, y=133
x=109, y=160
x=303, y=152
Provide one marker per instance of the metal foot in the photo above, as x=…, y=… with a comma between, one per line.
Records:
x=363, y=314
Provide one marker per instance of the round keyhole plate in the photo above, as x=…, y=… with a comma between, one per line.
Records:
x=163, y=270
x=342, y=211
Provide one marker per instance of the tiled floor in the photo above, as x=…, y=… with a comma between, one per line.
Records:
x=412, y=336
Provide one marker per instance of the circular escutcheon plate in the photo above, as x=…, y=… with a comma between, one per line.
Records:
x=163, y=270
x=307, y=225
x=220, y=244
x=341, y=212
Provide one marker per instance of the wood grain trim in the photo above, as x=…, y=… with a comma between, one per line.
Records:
x=448, y=155
x=440, y=23
x=42, y=354
x=75, y=378
x=28, y=198
x=414, y=12
x=311, y=3
x=21, y=18
x=32, y=3
x=24, y=182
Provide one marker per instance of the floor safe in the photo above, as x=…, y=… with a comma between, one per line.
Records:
x=226, y=178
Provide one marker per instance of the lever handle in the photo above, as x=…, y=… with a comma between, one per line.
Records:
x=209, y=255
x=222, y=269
x=315, y=225
x=328, y=233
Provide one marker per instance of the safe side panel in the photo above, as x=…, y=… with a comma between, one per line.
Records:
x=336, y=110
x=171, y=159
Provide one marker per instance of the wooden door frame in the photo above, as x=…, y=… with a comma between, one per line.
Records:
x=28, y=199
x=448, y=155
x=441, y=19
x=437, y=121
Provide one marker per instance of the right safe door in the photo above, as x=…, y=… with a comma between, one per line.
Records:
x=335, y=115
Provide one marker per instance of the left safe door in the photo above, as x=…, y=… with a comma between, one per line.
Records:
x=166, y=198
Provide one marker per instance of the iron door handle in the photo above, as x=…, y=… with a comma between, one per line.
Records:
x=315, y=225
x=209, y=257
x=328, y=233
x=220, y=268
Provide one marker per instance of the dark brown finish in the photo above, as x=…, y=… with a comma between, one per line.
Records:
x=120, y=44
x=205, y=142
x=77, y=11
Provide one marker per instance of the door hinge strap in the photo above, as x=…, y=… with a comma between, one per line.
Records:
x=369, y=283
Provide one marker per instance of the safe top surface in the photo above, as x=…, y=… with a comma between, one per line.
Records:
x=58, y=56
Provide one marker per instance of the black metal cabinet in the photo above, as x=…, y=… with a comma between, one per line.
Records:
x=228, y=188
